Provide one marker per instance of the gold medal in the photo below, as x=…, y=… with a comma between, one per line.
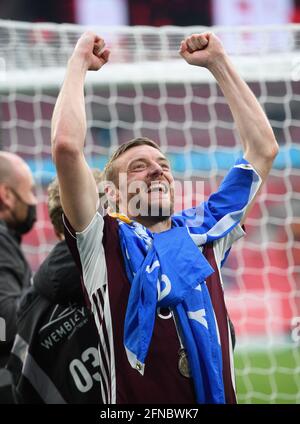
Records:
x=183, y=364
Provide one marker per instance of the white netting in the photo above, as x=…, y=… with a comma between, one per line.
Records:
x=147, y=89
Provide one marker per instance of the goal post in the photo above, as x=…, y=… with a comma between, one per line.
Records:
x=147, y=89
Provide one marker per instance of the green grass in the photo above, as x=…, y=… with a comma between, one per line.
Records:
x=268, y=376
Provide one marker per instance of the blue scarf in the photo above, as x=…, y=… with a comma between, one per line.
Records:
x=169, y=270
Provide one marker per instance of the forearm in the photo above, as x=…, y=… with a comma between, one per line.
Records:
x=69, y=117
x=255, y=132
x=78, y=191
x=258, y=141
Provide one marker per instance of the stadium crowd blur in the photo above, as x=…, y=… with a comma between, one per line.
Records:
x=141, y=12
x=134, y=12
x=282, y=225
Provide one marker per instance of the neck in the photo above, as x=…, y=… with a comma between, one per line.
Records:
x=153, y=224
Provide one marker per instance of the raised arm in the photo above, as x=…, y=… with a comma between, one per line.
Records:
x=258, y=141
x=78, y=189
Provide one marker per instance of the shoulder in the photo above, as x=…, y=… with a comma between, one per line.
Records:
x=58, y=259
x=27, y=301
x=5, y=237
x=223, y=245
x=111, y=227
x=9, y=248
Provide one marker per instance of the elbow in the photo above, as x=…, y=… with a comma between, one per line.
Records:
x=272, y=149
x=63, y=149
x=268, y=146
x=263, y=154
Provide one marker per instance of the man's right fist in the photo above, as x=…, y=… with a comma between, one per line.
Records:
x=91, y=48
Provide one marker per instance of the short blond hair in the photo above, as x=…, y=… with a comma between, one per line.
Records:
x=55, y=209
x=109, y=171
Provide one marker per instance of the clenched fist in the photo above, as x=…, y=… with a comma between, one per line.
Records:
x=91, y=49
x=202, y=49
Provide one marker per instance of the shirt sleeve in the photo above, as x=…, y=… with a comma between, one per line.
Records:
x=223, y=245
x=88, y=252
x=11, y=287
x=224, y=209
x=92, y=256
x=235, y=193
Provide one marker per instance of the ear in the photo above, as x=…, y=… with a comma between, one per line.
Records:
x=6, y=197
x=112, y=194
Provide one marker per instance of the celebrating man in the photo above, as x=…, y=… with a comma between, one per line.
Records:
x=152, y=279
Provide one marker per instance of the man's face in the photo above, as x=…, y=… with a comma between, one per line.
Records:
x=22, y=198
x=26, y=186
x=149, y=183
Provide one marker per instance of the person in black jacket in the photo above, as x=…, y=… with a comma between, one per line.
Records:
x=55, y=356
x=17, y=216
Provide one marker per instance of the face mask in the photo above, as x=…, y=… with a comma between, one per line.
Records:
x=23, y=227
x=26, y=225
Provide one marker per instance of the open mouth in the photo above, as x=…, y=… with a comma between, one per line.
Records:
x=157, y=187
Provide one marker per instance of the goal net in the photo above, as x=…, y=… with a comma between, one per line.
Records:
x=147, y=89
